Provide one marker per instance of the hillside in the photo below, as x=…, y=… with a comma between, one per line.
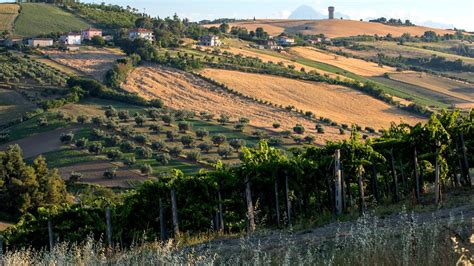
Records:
x=8, y=13
x=332, y=28
x=37, y=19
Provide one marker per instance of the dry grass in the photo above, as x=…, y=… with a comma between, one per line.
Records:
x=181, y=90
x=356, y=66
x=461, y=91
x=94, y=62
x=93, y=174
x=8, y=13
x=332, y=28
x=13, y=105
x=343, y=105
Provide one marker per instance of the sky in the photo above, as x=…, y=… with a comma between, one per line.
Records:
x=459, y=13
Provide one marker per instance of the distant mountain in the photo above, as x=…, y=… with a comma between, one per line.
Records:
x=307, y=12
x=437, y=25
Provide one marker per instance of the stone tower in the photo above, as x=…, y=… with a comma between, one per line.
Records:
x=331, y=10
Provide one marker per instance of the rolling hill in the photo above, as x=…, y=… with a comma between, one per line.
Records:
x=38, y=18
x=8, y=13
x=332, y=28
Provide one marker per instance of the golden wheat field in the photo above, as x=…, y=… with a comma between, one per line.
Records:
x=182, y=90
x=356, y=66
x=341, y=104
x=332, y=28
x=94, y=62
x=8, y=13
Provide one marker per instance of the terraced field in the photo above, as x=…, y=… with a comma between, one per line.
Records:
x=343, y=105
x=8, y=13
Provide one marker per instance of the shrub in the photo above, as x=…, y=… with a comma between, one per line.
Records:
x=342, y=131
x=152, y=113
x=187, y=140
x=124, y=115
x=298, y=129
x=193, y=156
x=239, y=126
x=113, y=141
x=308, y=114
x=114, y=155
x=111, y=125
x=110, y=173
x=95, y=148
x=370, y=130
x=144, y=152
x=146, y=169
x=184, y=126
x=142, y=139
x=244, y=120
x=81, y=143
x=320, y=129
x=170, y=135
x=111, y=112
x=286, y=133
x=158, y=145
x=139, y=120
x=218, y=140
x=156, y=128
x=309, y=139
x=127, y=146
x=97, y=121
x=167, y=119
x=75, y=177
x=223, y=119
x=201, y=133
x=130, y=161
x=164, y=158
x=82, y=119
x=66, y=137
x=298, y=139
x=205, y=146
x=237, y=143
x=276, y=125
x=224, y=151
x=275, y=141
x=176, y=150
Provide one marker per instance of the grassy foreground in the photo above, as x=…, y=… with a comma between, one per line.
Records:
x=407, y=241
x=38, y=18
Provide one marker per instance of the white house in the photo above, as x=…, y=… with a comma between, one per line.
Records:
x=285, y=41
x=141, y=33
x=40, y=42
x=71, y=38
x=210, y=40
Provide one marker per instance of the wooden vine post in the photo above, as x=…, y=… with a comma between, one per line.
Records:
x=221, y=211
x=50, y=234
x=162, y=221
x=174, y=211
x=417, y=175
x=361, y=188
x=109, y=227
x=375, y=188
x=394, y=176
x=467, y=175
x=437, y=186
x=277, y=204
x=288, y=203
x=338, y=182
x=250, y=211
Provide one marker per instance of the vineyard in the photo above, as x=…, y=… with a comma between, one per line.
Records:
x=8, y=13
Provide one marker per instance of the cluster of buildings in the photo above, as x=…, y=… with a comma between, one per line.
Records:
x=72, y=39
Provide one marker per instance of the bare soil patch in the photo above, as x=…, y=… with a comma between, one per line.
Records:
x=341, y=104
x=40, y=143
x=94, y=62
x=93, y=173
x=181, y=90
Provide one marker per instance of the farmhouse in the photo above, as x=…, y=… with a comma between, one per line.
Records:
x=71, y=38
x=285, y=41
x=141, y=33
x=40, y=42
x=89, y=33
x=319, y=40
x=268, y=44
x=210, y=40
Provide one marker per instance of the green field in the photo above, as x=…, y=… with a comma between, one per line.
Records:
x=12, y=106
x=37, y=19
x=8, y=13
